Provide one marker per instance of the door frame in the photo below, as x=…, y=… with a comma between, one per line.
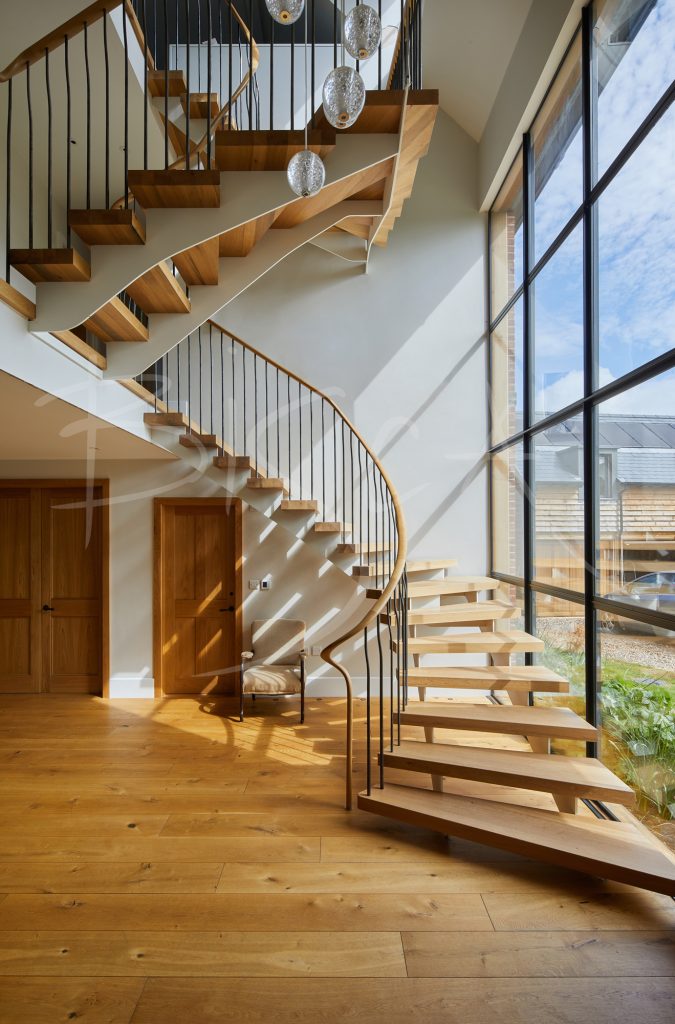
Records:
x=48, y=483
x=160, y=504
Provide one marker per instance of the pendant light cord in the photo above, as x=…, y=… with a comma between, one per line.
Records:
x=342, y=33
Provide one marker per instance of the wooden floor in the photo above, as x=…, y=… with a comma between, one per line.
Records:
x=161, y=863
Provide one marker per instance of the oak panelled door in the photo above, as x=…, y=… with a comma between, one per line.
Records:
x=53, y=582
x=198, y=554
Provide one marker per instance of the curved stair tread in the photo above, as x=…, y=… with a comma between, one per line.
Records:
x=452, y=585
x=611, y=849
x=500, y=718
x=581, y=777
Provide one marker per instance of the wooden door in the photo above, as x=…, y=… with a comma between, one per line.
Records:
x=198, y=560
x=20, y=670
x=72, y=590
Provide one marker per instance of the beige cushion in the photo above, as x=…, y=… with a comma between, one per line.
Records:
x=271, y=679
x=277, y=641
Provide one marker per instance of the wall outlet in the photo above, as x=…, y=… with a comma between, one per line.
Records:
x=254, y=584
x=266, y=584
x=316, y=650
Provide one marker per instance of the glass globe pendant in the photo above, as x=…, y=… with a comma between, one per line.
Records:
x=362, y=32
x=306, y=173
x=344, y=94
x=286, y=12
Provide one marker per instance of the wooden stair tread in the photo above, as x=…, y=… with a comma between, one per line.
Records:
x=501, y=718
x=200, y=263
x=193, y=439
x=430, y=564
x=165, y=419
x=40, y=265
x=331, y=527
x=76, y=339
x=268, y=150
x=202, y=104
x=581, y=777
x=451, y=585
x=462, y=613
x=158, y=291
x=177, y=189
x=611, y=849
x=107, y=227
x=519, y=678
x=17, y=301
x=175, y=82
x=363, y=549
x=116, y=322
x=270, y=483
x=365, y=570
x=242, y=463
x=299, y=505
x=239, y=241
x=515, y=640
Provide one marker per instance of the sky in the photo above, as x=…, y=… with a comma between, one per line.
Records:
x=636, y=223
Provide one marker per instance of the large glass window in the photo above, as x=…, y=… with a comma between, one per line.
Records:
x=583, y=473
x=506, y=238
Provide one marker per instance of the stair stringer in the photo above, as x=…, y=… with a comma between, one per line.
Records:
x=245, y=196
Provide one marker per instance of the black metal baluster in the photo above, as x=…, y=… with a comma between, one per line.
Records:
x=229, y=65
x=250, y=65
x=209, y=27
x=267, y=421
x=145, y=88
x=88, y=135
x=358, y=62
x=166, y=88
x=200, y=428
x=381, y=708
x=255, y=408
x=278, y=430
x=369, y=769
x=323, y=460
x=311, y=444
x=220, y=58
x=344, y=509
x=368, y=506
x=8, y=183
x=375, y=510
x=397, y=613
x=391, y=676
x=335, y=34
x=126, y=107
x=188, y=141
x=30, y=158
x=212, y=431
x=222, y=396
x=234, y=404
x=335, y=487
x=290, y=475
x=351, y=477
x=313, y=24
x=178, y=347
x=300, y=435
x=49, y=151
x=199, y=46
x=293, y=75
x=106, y=64
x=379, y=48
x=360, y=541
x=189, y=382
x=272, y=75
x=243, y=371
x=66, y=62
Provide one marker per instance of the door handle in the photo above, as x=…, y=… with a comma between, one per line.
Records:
x=230, y=609
x=47, y=608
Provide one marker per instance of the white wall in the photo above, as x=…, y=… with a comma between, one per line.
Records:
x=402, y=348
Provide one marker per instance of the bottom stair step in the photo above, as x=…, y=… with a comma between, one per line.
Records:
x=578, y=777
x=501, y=718
x=614, y=850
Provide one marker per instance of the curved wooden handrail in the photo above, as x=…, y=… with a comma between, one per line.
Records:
x=396, y=573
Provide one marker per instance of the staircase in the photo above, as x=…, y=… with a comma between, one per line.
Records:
x=481, y=767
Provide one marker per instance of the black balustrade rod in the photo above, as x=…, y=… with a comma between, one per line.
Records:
x=369, y=768
x=243, y=373
x=278, y=419
x=8, y=183
x=199, y=46
x=344, y=507
x=375, y=516
x=360, y=541
x=311, y=444
x=323, y=460
x=88, y=125
x=335, y=33
x=335, y=486
x=229, y=65
x=358, y=62
x=201, y=377
x=397, y=613
x=177, y=24
x=405, y=637
x=30, y=157
x=178, y=349
x=300, y=435
x=351, y=480
x=166, y=90
x=383, y=527
x=106, y=65
x=212, y=431
x=66, y=62
x=189, y=382
x=391, y=675
x=49, y=150
x=255, y=409
x=288, y=401
x=250, y=66
x=209, y=27
x=379, y=48
x=368, y=504
x=220, y=58
x=272, y=74
x=154, y=26
x=222, y=395
x=234, y=406
x=126, y=107
x=188, y=141
x=293, y=76
x=267, y=421
x=381, y=707
x=313, y=26
x=145, y=87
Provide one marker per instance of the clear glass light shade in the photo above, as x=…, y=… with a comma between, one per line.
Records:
x=344, y=94
x=285, y=11
x=306, y=173
x=362, y=32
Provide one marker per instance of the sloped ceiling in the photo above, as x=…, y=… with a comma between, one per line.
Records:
x=467, y=48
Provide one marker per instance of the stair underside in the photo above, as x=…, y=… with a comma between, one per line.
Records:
x=463, y=613
x=610, y=849
x=580, y=777
x=518, y=678
x=510, y=642
x=116, y=322
x=158, y=291
x=107, y=227
x=451, y=585
x=500, y=718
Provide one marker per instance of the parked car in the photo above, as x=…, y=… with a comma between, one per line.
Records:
x=655, y=591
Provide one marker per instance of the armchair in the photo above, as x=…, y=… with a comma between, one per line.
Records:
x=275, y=663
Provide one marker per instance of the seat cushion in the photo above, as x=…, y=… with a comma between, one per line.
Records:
x=271, y=679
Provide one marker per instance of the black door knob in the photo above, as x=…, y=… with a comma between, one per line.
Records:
x=47, y=608
x=230, y=609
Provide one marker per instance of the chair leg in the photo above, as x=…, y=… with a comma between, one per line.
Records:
x=241, y=706
x=302, y=705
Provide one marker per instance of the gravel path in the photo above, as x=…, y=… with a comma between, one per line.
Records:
x=657, y=652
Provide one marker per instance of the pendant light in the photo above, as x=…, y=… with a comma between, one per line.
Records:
x=362, y=32
x=344, y=91
x=306, y=172
x=286, y=12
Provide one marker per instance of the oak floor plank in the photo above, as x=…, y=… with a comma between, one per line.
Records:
x=244, y=912
x=134, y=846
x=400, y=1001
x=604, y=910
x=34, y=823
x=103, y=876
x=224, y=954
x=64, y=1000
x=540, y=954
x=301, y=823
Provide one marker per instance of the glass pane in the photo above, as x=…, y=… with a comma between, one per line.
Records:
x=634, y=45
x=558, y=161
x=514, y=596
x=559, y=328
x=637, y=700
x=507, y=510
x=636, y=225
x=560, y=624
x=506, y=238
x=506, y=399
x=636, y=438
x=559, y=506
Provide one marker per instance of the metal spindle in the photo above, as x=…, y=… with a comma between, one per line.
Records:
x=30, y=158
x=212, y=431
x=311, y=444
x=369, y=769
x=199, y=46
x=250, y=66
x=255, y=408
x=106, y=64
x=222, y=396
x=189, y=382
x=267, y=420
x=188, y=141
x=243, y=373
x=391, y=676
x=49, y=151
x=379, y=48
x=360, y=500
x=313, y=24
x=126, y=108
x=88, y=134
x=199, y=344
x=209, y=27
x=272, y=75
x=381, y=707
x=178, y=377
x=278, y=430
x=145, y=87
x=68, y=142
x=290, y=475
x=229, y=65
x=234, y=405
x=293, y=75
x=323, y=460
x=335, y=486
x=8, y=183
x=335, y=34
x=166, y=88
x=300, y=435
x=344, y=509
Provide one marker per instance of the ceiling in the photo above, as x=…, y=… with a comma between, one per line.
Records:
x=467, y=48
x=34, y=425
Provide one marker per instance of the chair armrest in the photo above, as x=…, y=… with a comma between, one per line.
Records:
x=302, y=653
x=246, y=655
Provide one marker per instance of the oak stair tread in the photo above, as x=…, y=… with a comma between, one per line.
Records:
x=115, y=322
x=42, y=265
x=176, y=189
x=159, y=291
x=166, y=419
x=76, y=339
x=202, y=104
x=500, y=718
x=429, y=564
x=331, y=527
x=451, y=585
x=614, y=850
x=364, y=549
x=511, y=641
x=193, y=439
x=200, y=264
x=242, y=463
x=299, y=505
x=107, y=227
x=270, y=483
x=519, y=678
x=463, y=614
x=579, y=777
x=269, y=150
x=175, y=81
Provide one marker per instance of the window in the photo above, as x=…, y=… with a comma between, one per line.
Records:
x=582, y=364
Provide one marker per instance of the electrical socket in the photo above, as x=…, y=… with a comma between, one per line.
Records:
x=266, y=584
